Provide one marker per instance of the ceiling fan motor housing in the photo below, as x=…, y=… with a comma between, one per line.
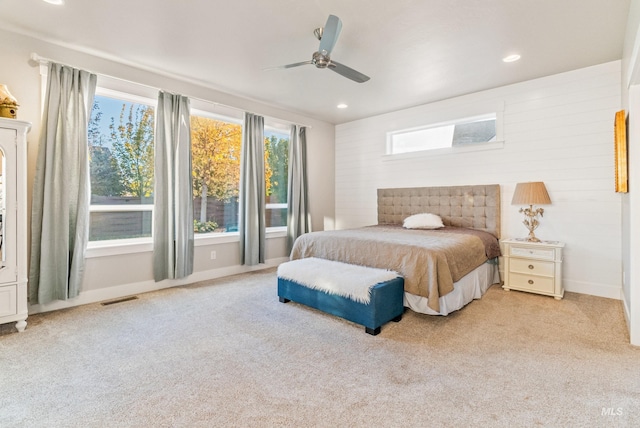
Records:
x=320, y=61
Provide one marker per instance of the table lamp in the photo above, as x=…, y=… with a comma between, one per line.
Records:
x=532, y=193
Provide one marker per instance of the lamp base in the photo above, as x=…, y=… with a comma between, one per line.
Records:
x=532, y=238
x=531, y=222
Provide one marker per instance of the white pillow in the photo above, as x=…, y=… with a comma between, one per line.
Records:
x=423, y=221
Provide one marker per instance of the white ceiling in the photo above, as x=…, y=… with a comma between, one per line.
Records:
x=415, y=51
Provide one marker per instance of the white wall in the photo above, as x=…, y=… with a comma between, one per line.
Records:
x=109, y=276
x=631, y=201
x=557, y=129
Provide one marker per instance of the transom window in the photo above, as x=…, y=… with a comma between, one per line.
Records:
x=463, y=132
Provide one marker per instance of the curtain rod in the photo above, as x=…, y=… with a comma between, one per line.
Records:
x=45, y=61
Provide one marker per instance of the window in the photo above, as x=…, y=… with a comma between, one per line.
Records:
x=462, y=132
x=121, y=160
x=215, y=161
x=215, y=157
x=121, y=166
x=276, y=166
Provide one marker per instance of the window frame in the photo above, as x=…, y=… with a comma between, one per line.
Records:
x=208, y=238
x=138, y=99
x=276, y=127
x=460, y=118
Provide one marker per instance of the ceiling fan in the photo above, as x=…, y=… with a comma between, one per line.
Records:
x=321, y=59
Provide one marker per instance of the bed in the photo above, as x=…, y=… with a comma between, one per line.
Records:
x=444, y=269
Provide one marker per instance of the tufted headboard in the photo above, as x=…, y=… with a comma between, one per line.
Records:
x=477, y=207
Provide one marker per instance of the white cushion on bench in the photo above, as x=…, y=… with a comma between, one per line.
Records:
x=342, y=279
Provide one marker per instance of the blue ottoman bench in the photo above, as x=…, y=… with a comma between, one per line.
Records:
x=367, y=296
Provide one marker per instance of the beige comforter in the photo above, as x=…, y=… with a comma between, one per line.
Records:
x=430, y=261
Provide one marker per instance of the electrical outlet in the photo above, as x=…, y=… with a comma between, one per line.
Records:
x=213, y=255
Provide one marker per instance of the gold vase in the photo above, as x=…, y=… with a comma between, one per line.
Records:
x=8, y=103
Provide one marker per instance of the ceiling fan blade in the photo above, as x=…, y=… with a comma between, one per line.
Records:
x=281, y=67
x=296, y=64
x=330, y=35
x=348, y=72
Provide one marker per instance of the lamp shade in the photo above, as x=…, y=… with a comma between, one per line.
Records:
x=533, y=193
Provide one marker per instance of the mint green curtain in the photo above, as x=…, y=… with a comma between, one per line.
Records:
x=251, y=223
x=61, y=188
x=173, y=243
x=298, y=218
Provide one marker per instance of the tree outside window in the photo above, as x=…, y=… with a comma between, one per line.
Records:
x=121, y=169
x=215, y=163
x=276, y=149
x=215, y=159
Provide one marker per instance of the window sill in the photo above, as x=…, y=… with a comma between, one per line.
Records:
x=446, y=151
x=145, y=245
x=118, y=246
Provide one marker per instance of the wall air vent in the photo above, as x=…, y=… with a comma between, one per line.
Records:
x=125, y=299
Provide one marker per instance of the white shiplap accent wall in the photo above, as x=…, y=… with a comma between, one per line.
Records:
x=557, y=129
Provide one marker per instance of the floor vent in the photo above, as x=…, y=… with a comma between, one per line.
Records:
x=125, y=299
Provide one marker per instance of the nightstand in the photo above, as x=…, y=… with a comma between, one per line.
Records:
x=535, y=267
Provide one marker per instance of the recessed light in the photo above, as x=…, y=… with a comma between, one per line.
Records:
x=511, y=58
x=342, y=105
x=56, y=2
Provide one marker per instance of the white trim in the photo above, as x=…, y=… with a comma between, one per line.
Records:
x=633, y=69
x=124, y=290
x=116, y=247
x=106, y=92
x=214, y=238
x=609, y=291
x=275, y=206
x=44, y=72
x=221, y=117
x=277, y=127
x=633, y=279
x=625, y=307
x=494, y=145
x=116, y=81
x=276, y=232
x=120, y=208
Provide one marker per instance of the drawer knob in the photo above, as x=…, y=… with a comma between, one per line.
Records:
x=530, y=266
x=531, y=281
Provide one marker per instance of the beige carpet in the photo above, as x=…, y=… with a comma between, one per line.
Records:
x=228, y=353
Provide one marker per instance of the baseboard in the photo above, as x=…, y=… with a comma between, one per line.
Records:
x=594, y=289
x=627, y=314
x=124, y=290
x=93, y=296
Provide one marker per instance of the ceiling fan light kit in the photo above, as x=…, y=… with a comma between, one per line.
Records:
x=328, y=35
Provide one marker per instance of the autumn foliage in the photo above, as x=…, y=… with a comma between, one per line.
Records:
x=122, y=161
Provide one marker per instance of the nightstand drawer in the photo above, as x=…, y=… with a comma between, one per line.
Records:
x=532, y=267
x=538, y=253
x=532, y=283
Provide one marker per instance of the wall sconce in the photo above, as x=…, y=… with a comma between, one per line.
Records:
x=530, y=194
